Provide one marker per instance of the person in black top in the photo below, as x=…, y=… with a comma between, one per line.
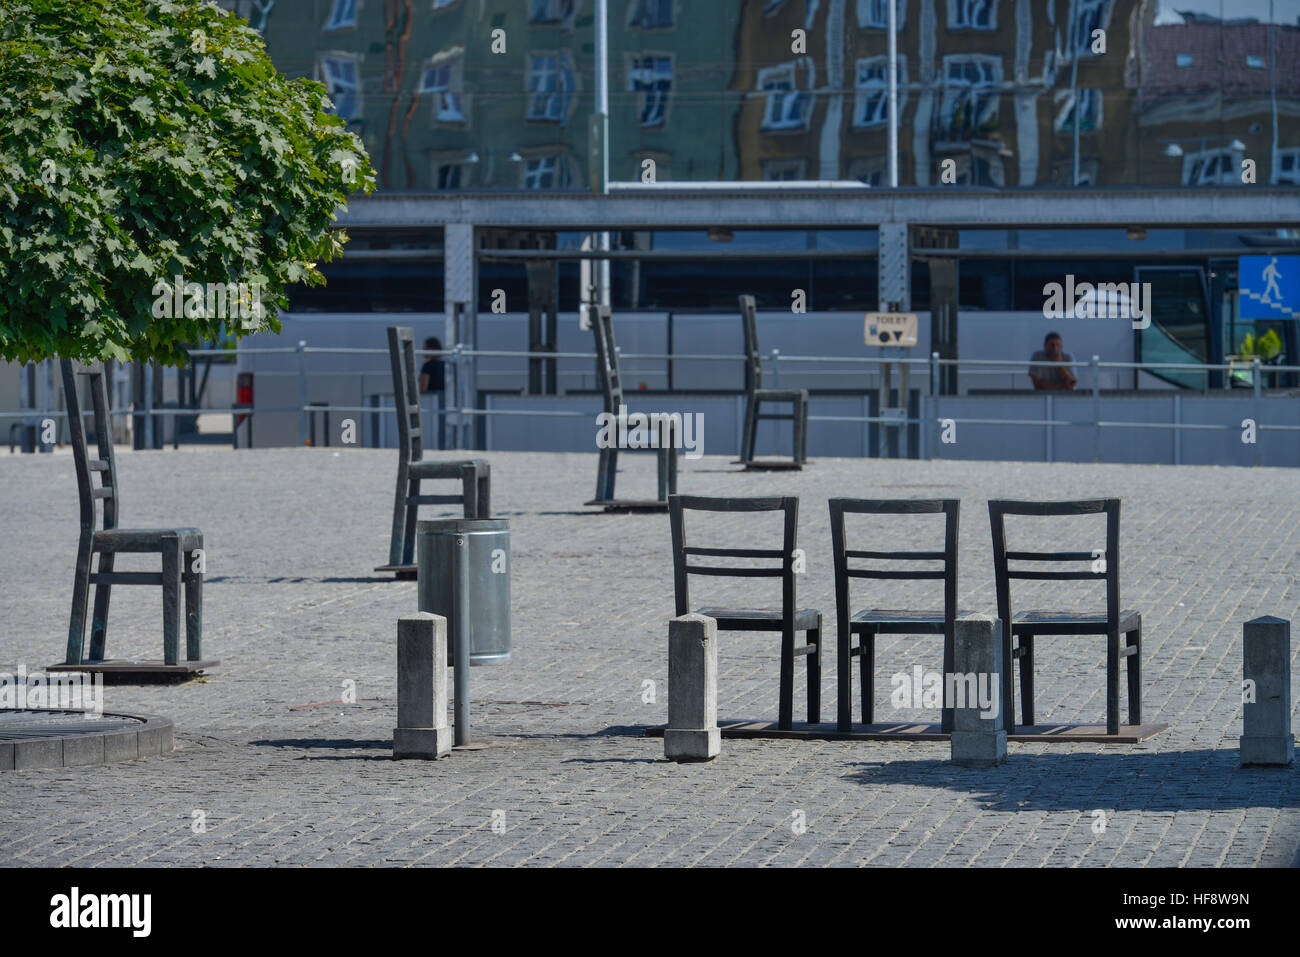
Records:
x=432, y=374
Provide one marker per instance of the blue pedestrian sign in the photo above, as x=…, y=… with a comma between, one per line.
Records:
x=1270, y=287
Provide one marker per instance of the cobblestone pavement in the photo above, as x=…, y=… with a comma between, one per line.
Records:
x=284, y=773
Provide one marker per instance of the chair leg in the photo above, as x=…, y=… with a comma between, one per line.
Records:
x=662, y=471
x=469, y=490
x=171, y=598
x=815, y=674
x=1112, y=683
x=1026, y=679
x=843, y=672
x=99, y=620
x=672, y=463
x=785, y=715
x=1134, y=640
x=80, y=598
x=408, y=531
x=800, y=424
x=947, y=716
x=397, y=544
x=483, y=480
x=1008, y=679
x=750, y=435
x=867, y=666
x=193, y=578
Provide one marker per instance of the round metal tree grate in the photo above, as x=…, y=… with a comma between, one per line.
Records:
x=31, y=738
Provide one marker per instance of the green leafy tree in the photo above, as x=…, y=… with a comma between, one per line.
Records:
x=144, y=140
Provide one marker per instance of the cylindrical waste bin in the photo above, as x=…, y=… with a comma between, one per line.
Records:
x=487, y=541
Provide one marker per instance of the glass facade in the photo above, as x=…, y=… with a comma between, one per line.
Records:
x=496, y=94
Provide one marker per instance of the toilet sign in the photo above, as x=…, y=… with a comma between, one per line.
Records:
x=890, y=329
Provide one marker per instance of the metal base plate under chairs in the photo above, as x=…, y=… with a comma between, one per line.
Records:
x=139, y=669
x=905, y=731
x=772, y=465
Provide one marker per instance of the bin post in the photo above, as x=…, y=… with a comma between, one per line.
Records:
x=692, y=733
x=979, y=739
x=421, y=730
x=1266, y=692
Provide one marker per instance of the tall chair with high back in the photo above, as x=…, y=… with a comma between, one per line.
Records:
x=1019, y=630
x=787, y=620
x=662, y=438
x=868, y=623
x=180, y=548
x=474, y=475
x=756, y=396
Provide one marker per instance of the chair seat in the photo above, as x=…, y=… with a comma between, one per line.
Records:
x=145, y=539
x=1041, y=622
x=431, y=470
x=904, y=621
x=781, y=395
x=760, y=619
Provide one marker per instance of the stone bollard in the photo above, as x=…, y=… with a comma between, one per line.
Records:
x=422, y=730
x=978, y=741
x=1266, y=692
x=692, y=733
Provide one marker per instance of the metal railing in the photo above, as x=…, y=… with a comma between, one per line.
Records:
x=462, y=409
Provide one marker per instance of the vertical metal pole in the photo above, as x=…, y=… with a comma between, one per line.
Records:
x=1074, y=84
x=149, y=424
x=602, y=108
x=302, y=391
x=460, y=572
x=1257, y=375
x=1096, y=408
x=1051, y=436
x=1178, y=433
x=893, y=92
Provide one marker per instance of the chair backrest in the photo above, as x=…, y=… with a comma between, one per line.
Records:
x=950, y=508
x=406, y=391
x=753, y=354
x=105, y=465
x=608, y=372
x=1002, y=573
x=783, y=557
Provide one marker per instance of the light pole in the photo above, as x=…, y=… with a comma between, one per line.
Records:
x=892, y=21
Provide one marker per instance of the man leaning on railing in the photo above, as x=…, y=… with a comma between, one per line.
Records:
x=1052, y=376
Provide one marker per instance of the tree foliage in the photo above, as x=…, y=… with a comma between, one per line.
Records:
x=141, y=140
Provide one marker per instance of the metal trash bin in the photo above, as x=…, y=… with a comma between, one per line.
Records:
x=488, y=570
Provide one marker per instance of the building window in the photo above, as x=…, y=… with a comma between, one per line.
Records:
x=442, y=79
x=451, y=175
x=1183, y=60
x=1089, y=109
x=650, y=14
x=1213, y=167
x=547, y=172
x=969, y=109
x=874, y=14
x=972, y=14
x=551, y=12
x=785, y=170
x=787, y=108
x=1089, y=15
x=652, y=77
x=871, y=102
x=344, y=14
x=869, y=171
x=550, y=87
x=339, y=71
x=1287, y=169
x=1254, y=62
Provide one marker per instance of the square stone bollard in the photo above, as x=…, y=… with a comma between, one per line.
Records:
x=692, y=733
x=422, y=730
x=978, y=741
x=1266, y=737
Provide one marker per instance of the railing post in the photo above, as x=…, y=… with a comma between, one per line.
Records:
x=776, y=368
x=1257, y=376
x=1096, y=408
x=457, y=417
x=302, y=392
x=934, y=373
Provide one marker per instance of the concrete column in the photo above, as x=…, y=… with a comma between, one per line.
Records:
x=692, y=733
x=979, y=738
x=422, y=730
x=1267, y=737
